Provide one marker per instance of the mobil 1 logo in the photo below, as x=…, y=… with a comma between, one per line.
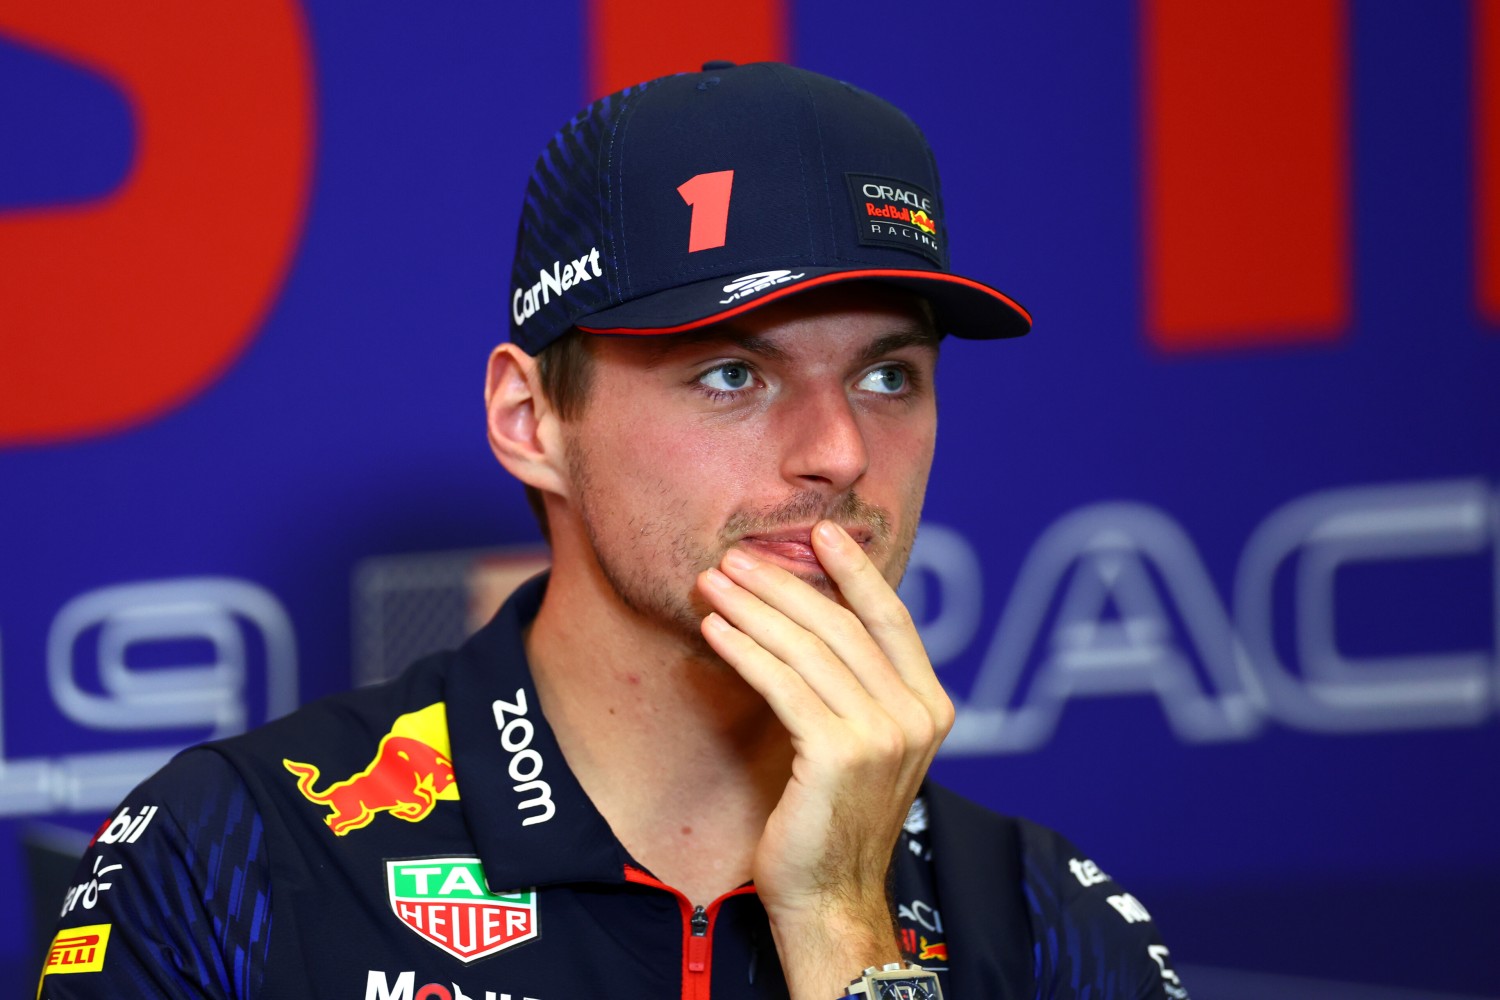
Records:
x=126, y=828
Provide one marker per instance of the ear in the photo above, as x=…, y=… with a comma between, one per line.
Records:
x=523, y=429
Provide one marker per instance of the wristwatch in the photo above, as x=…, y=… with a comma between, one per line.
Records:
x=896, y=981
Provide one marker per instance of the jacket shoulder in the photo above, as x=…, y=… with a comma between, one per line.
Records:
x=173, y=896
x=338, y=732
x=1082, y=928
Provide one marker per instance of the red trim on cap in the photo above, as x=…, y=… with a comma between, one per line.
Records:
x=802, y=286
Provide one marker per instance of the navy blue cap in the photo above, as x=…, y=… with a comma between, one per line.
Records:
x=690, y=199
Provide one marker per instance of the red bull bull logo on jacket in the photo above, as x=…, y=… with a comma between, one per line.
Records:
x=411, y=772
x=446, y=901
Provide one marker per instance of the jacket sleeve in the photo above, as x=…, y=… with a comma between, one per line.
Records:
x=172, y=898
x=1093, y=938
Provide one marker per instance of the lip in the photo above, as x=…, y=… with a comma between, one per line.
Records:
x=803, y=535
x=792, y=547
x=790, y=553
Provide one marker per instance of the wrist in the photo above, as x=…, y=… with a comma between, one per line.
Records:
x=821, y=952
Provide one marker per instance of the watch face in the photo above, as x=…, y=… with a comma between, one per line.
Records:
x=923, y=988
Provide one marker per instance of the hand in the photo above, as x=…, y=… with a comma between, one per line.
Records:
x=865, y=712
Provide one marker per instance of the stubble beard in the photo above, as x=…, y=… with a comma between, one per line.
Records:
x=658, y=584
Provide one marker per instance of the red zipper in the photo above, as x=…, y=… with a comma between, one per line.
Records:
x=697, y=932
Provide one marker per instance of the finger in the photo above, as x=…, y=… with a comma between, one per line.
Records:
x=921, y=709
x=851, y=675
x=837, y=628
x=794, y=646
x=888, y=622
x=876, y=604
x=804, y=714
x=834, y=747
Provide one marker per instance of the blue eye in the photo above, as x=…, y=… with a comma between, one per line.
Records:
x=889, y=380
x=726, y=378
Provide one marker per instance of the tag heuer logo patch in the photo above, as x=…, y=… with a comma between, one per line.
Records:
x=444, y=900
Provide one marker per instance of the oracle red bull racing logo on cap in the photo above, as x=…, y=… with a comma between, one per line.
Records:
x=446, y=901
x=411, y=772
x=894, y=213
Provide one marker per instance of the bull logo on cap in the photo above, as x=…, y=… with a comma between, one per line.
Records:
x=924, y=222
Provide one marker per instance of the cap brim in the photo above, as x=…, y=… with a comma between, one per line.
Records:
x=964, y=307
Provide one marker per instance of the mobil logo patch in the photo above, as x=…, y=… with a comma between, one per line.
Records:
x=125, y=828
x=445, y=900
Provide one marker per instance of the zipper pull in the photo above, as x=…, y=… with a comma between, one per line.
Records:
x=698, y=944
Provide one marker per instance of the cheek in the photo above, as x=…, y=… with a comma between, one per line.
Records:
x=718, y=460
x=670, y=469
x=902, y=451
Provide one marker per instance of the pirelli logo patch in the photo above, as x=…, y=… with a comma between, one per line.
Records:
x=890, y=212
x=76, y=949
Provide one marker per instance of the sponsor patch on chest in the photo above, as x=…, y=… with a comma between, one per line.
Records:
x=445, y=901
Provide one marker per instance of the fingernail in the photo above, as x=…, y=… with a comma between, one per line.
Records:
x=716, y=623
x=829, y=533
x=735, y=559
x=717, y=579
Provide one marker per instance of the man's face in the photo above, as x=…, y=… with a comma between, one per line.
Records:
x=747, y=435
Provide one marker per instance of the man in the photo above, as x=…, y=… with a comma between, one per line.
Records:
x=690, y=760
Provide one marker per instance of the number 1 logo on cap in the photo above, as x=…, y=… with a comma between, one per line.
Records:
x=708, y=194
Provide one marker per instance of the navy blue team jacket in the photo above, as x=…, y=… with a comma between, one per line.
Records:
x=425, y=840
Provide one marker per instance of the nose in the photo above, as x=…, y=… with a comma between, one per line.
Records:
x=825, y=447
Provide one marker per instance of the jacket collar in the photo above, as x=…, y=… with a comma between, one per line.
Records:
x=530, y=819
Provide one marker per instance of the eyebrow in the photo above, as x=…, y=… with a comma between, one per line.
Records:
x=718, y=334
x=762, y=347
x=893, y=342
